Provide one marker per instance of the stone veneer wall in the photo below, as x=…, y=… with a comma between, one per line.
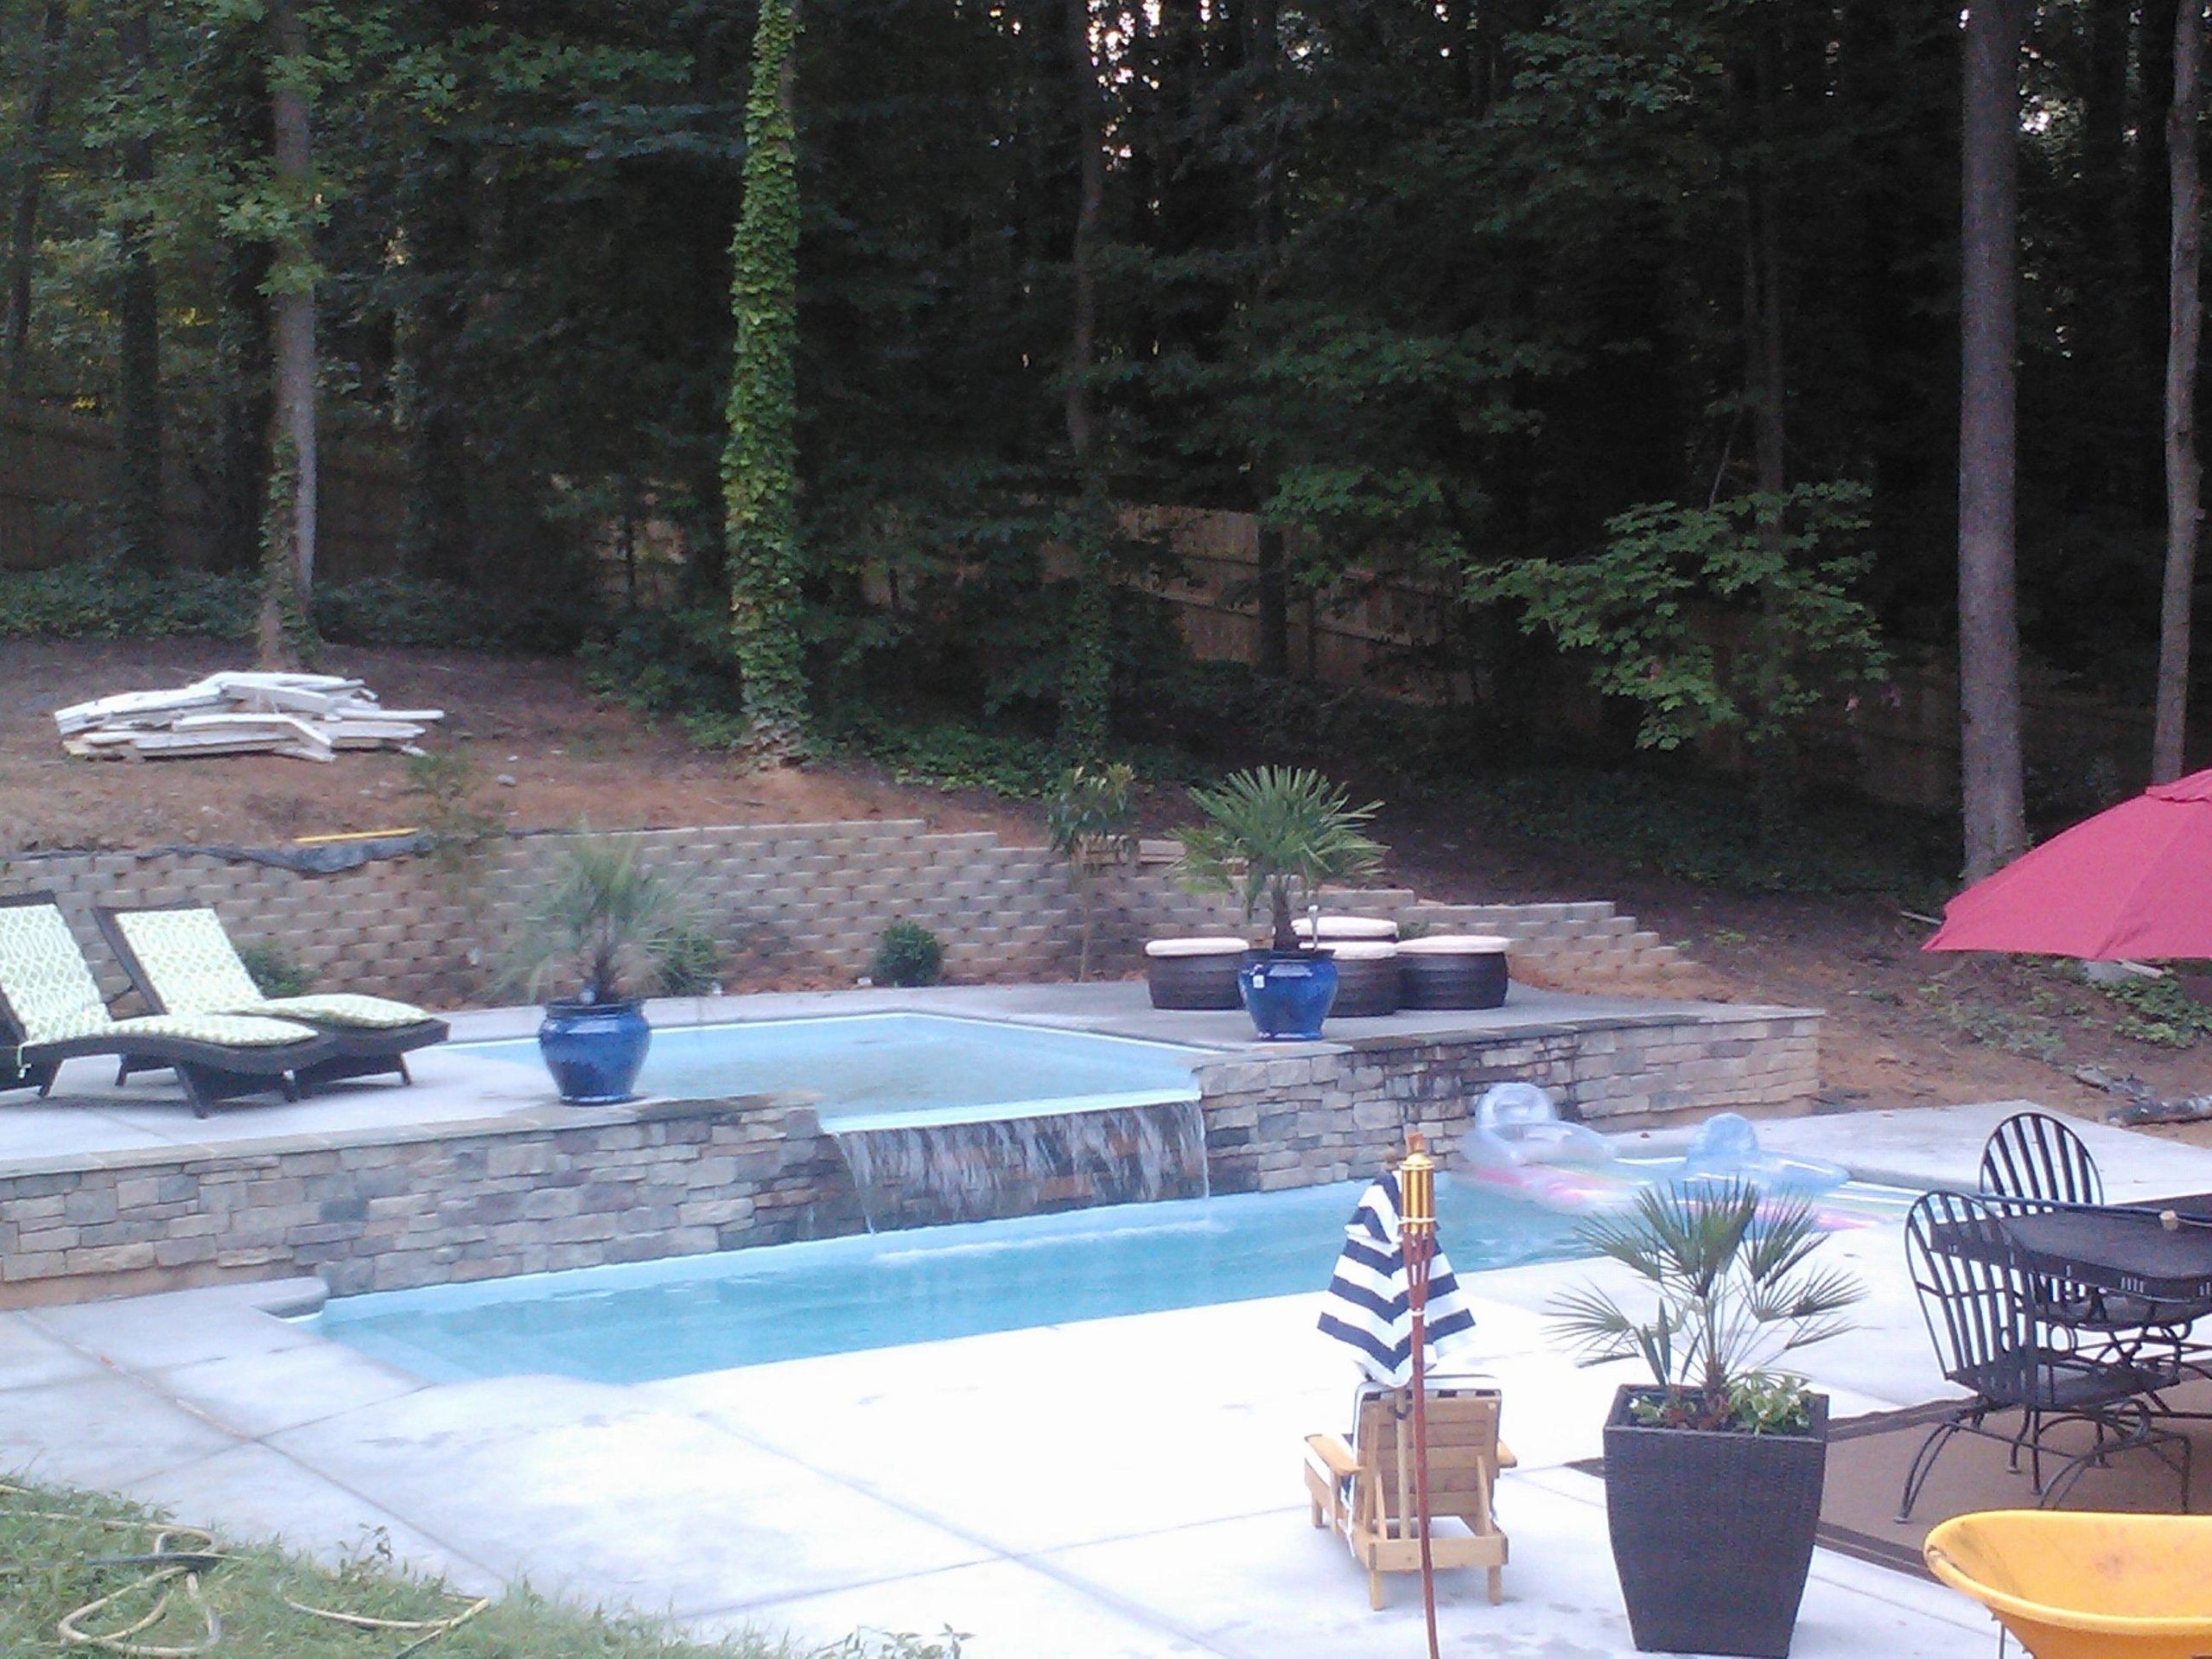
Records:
x=786, y=901
x=533, y=1192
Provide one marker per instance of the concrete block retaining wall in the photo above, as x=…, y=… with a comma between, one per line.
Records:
x=804, y=902
x=533, y=1192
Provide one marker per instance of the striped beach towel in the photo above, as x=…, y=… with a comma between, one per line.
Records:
x=1367, y=1305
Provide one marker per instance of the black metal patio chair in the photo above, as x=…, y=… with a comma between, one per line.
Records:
x=2034, y=1155
x=1991, y=1339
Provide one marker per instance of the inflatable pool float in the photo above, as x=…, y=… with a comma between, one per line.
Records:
x=1726, y=1148
x=1521, y=1146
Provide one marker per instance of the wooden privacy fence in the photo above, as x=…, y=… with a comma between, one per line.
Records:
x=57, y=487
x=1899, y=744
x=56, y=472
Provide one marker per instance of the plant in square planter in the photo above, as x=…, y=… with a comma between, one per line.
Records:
x=615, y=931
x=1272, y=836
x=1713, y=1469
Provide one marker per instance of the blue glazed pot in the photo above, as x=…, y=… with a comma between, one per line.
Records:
x=1288, y=996
x=594, y=1050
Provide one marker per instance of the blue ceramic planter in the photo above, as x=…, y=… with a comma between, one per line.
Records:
x=594, y=1050
x=1288, y=996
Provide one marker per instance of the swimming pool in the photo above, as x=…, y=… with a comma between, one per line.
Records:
x=647, y=1320
x=885, y=1071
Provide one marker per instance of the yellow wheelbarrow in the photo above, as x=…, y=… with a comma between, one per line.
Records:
x=2084, y=1585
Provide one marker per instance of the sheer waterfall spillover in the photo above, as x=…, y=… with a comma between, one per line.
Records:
x=927, y=1175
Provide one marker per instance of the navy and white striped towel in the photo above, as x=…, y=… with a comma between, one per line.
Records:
x=1367, y=1305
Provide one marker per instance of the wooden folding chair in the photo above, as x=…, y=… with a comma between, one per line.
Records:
x=1365, y=1492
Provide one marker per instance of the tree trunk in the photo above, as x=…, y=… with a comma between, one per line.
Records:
x=22, y=229
x=2185, y=326
x=138, y=381
x=1263, y=52
x=289, y=506
x=1991, y=793
x=1086, y=686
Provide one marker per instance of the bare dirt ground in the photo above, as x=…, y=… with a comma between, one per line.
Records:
x=547, y=755
x=1902, y=1028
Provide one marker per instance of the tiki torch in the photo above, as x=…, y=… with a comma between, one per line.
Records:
x=1417, y=1241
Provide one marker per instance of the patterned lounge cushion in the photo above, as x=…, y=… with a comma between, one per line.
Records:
x=365, y=1013
x=229, y=1030
x=188, y=960
x=194, y=969
x=44, y=978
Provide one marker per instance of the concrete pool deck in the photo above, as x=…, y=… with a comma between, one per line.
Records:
x=1117, y=1489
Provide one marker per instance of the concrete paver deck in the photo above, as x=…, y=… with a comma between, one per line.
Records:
x=1115, y=1489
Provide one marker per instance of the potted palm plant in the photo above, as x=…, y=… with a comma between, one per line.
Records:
x=1272, y=836
x=607, y=930
x=1713, y=1469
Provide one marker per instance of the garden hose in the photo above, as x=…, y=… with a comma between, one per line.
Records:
x=173, y=1568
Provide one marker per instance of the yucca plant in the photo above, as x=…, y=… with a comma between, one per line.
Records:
x=1735, y=1290
x=606, y=922
x=1274, y=834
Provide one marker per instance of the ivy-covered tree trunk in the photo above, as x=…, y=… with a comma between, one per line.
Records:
x=760, y=454
x=1086, y=687
x=138, y=377
x=288, y=525
x=22, y=225
x=2186, y=325
x=1991, y=786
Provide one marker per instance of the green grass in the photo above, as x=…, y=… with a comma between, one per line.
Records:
x=58, y=1550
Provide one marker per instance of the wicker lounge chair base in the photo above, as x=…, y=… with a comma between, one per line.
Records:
x=209, y=1074
x=349, y=1054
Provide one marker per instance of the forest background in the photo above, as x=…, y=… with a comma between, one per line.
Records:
x=1627, y=331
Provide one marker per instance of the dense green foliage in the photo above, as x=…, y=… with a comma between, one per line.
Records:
x=274, y=971
x=67, y=1549
x=1528, y=305
x=103, y=601
x=760, y=459
x=907, y=953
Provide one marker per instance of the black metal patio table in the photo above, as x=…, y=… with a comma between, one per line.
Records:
x=2134, y=1250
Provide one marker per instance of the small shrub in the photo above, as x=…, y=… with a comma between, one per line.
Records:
x=691, y=962
x=907, y=953
x=444, y=783
x=274, y=972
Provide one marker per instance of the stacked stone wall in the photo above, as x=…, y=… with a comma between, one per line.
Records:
x=539, y=1193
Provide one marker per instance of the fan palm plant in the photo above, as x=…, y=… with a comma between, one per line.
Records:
x=1735, y=1290
x=1274, y=834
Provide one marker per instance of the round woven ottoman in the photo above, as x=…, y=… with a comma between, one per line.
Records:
x=1338, y=929
x=1193, y=973
x=1367, y=977
x=1452, y=970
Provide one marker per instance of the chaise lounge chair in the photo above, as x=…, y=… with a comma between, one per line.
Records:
x=182, y=962
x=51, y=1011
x=1367, y=1494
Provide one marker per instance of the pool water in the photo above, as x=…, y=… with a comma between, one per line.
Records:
x=647, y=1320
x=878, y=1071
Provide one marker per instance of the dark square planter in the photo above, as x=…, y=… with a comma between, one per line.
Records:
x=1713, y=1532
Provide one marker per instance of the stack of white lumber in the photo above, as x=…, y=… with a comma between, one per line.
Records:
x=307, y=716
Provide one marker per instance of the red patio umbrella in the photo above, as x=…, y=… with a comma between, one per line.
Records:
x=2133, y=882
